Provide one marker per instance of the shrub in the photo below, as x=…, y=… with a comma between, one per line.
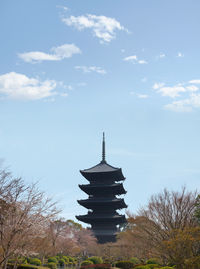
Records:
x=124, y=264
x=153, y=261
x=66, y=259
x=147, y=266
x=61, y=262
x=86, y=262
x=71, y=259
x=23, y=266
x=135, y=261
x=52, y=265
x=52, y=259
x=166, y=267
x=96, y=260
x=35, y=261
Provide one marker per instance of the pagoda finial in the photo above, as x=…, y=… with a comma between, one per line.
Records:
x=103, y=149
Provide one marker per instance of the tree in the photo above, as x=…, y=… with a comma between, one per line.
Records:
x=25, y=213
x=166, y=212
x=183, y=248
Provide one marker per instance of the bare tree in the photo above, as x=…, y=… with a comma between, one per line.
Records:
x=165, y=214
x=25, y=213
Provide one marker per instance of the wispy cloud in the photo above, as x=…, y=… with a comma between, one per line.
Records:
x=194, y=81
x=180, y=55
x=162, y=55
x=140, y=95
x=102, y=27
x=89, y=69
x=172, y=92
x=63, y=7
x=134, y=59
x=130, y=58
x=185, y=105
x=186, y=95
x=158, y=85
x=58, y=53
x=142, y=62
x=19, y=86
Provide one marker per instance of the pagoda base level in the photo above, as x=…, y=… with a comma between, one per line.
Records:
x=103, y=239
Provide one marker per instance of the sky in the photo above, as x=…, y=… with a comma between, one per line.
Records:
x=70, y=70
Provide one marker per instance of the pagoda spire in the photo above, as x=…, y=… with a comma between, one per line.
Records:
x=103, y=149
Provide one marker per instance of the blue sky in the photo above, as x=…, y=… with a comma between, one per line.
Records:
x=70, y=70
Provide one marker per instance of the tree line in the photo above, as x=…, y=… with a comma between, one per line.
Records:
x=167, y=228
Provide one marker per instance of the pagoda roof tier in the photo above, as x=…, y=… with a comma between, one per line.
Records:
x=92, y=218
x=115, y=188
x=95, y=203
x=103, y=171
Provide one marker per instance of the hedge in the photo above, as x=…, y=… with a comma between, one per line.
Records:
x=135, y=261
x=124, y=264
x=52, y=259
x=96, y=260
x=35, y=261
x=52, y=265
x=25, y=266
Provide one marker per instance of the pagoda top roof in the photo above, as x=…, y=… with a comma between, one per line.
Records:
x=103, y=167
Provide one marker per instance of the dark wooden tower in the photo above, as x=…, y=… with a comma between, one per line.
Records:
x=102, y=203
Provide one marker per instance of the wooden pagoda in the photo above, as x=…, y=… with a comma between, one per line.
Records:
x=102, y=203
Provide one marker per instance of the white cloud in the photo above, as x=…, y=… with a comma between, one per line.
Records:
x=185, y=105
x=158, y=85
x=162, y=55
x=63, y=7
x=102, y=27
x=142, y=62
x=180, y=55
x=192, y=88
x=171, y=91
x=134, y=59
x=194, y=81
x=142, y=96
x=59, y=53
x=130, y=58
x=89, y=69
x=191, y=96
x=18, y=86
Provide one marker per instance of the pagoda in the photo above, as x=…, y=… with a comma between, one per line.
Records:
x=102, y=204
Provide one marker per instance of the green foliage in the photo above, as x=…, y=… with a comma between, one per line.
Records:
x=166, y=267
x=66, y=259
x=52, y=265
x=52, y=259
x=71, y=259
x=197, y=208
x=25, y=266
x=61, y=262
x=147, y=266
x=74, y=225
x=96, y=260
x=86, y=262
x=124, y=264
x=35, y=261
x=135, y=261
x=153, y=261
